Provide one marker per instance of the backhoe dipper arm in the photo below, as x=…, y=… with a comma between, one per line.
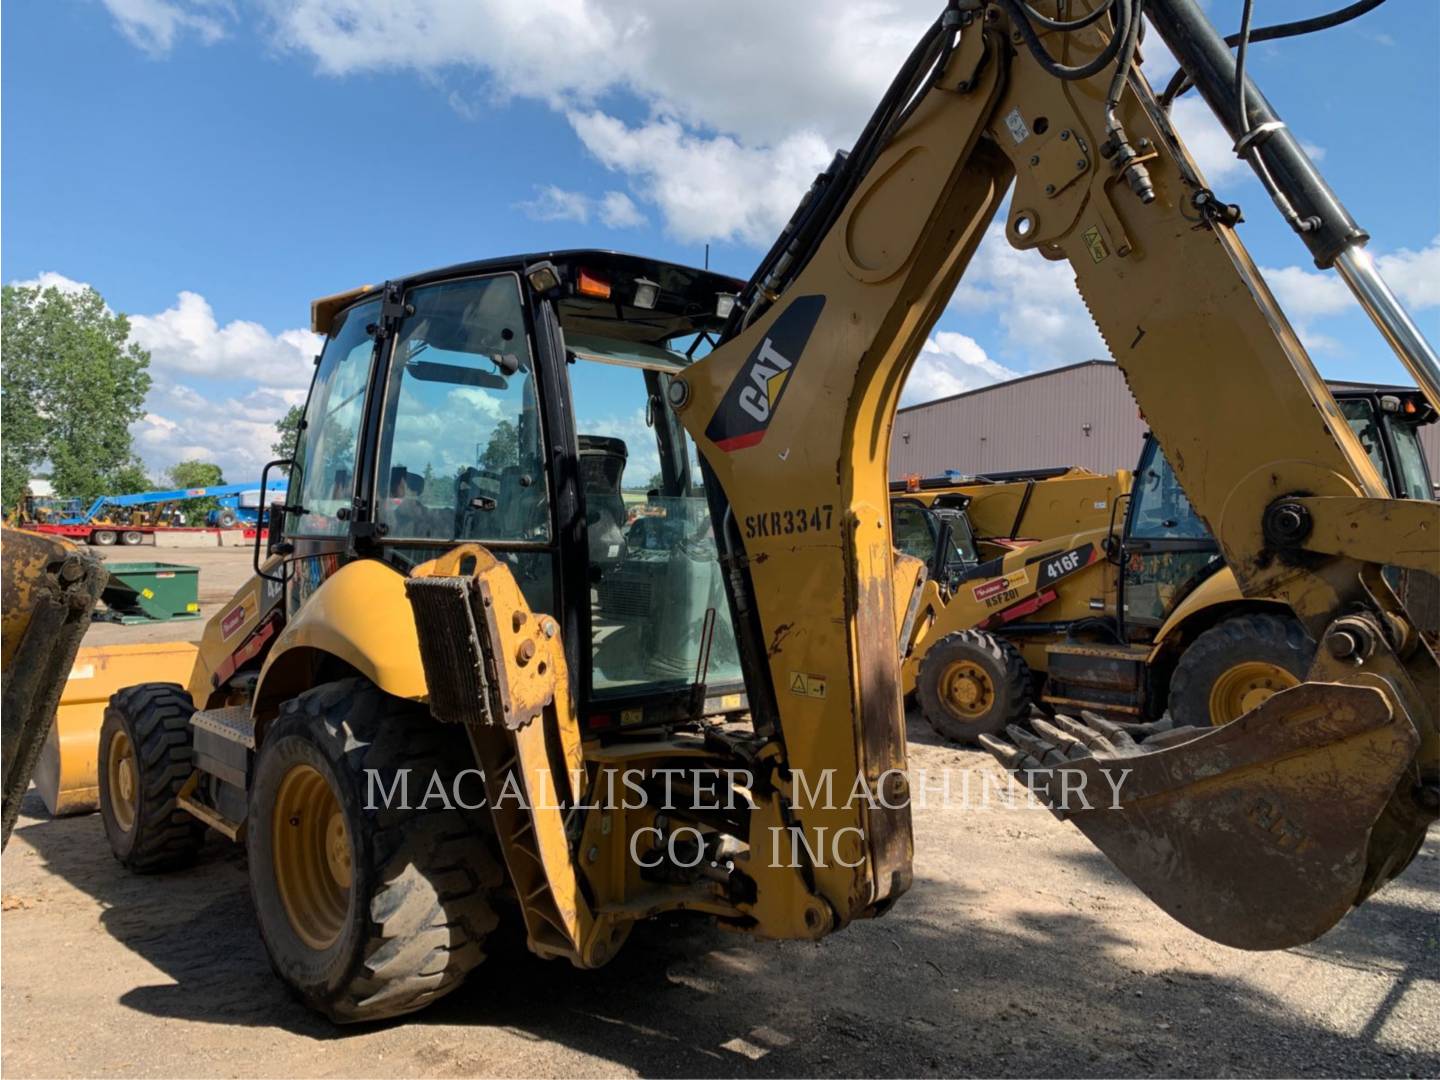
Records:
x=1261, y=834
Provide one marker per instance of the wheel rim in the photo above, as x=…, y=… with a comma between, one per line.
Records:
x=124, y=779
x=105, y=537
x=966, y=689
x=131, y=538
x=1247, y=685
x=311, y=854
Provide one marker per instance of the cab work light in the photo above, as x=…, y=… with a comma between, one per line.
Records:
x=543, y=277
x=647, y=293
x=724, y=304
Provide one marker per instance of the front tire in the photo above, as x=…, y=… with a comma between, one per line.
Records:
x=1235, y=666
x=367, y=911
x=972, y=683
x=145, y=758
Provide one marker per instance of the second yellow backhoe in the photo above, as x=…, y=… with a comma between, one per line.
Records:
x=1129, y=612
x=465, y=676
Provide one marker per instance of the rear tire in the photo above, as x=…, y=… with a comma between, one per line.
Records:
x=132, y=539
x=145, y=758
x=404, y=902
x=972, y=683
x=226, y=519
x=103, y=537
x=1235, y=665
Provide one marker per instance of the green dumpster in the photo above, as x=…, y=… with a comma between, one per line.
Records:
x=151, y=592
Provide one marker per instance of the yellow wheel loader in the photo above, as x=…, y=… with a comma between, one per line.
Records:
x=1126, y=614
x=47, y=590
x=469, y=672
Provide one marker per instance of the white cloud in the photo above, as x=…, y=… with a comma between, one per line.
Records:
x=741, y=120
x=235, y=432
x=154, y=25
x=618, y=211
x=187, y=338
x=707, y=187
x=1207, y=140
x=1308, y=296
x=556, y=204
x=48, y=279
x=1039, y=309
x=950, y=363
x=615, y=209
x=1414, y=275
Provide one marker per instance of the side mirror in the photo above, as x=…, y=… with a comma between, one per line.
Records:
x=270, y=522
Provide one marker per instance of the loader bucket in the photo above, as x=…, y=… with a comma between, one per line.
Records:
x=1259, y=835
x=66, y=775
x=48, y=589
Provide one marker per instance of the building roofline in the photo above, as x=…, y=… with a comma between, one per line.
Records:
x=1334, y=384
x=1007, y=382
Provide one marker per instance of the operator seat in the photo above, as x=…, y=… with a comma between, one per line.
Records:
x=602, y=469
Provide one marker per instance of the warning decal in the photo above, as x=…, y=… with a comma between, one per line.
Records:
x=807, y=685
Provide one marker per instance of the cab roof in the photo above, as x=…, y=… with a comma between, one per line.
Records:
x=686, y=302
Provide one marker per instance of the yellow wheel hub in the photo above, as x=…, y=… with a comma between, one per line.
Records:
x=1246, y=686
x=311, y=855
x=123, y=776
x=966, y=689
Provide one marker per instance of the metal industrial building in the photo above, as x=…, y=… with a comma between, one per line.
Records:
x=1081, y=414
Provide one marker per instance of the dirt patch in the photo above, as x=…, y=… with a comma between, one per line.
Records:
x=1017, y=952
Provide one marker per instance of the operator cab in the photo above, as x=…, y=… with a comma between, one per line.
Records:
x=518, y=403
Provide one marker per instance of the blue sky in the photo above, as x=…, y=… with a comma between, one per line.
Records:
x=212, y=165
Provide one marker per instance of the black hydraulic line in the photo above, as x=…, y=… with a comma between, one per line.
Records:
x=1180, y=81
x=1240, y=53
x=1061, y=25
x=1020, y=513
x=1276, y=155
x=1053, y=68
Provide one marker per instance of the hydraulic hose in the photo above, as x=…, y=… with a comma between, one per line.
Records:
x=1180, y=81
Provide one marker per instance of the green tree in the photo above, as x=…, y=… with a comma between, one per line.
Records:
x=131, y=478
x=71, y=386
x=287, y=428
x=503, y=448
x=197, y=474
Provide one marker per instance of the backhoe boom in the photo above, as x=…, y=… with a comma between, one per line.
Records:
x=793, y=414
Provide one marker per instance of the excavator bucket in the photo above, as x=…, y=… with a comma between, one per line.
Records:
x=66, y=775
x=1261, y=834
x=47, y=591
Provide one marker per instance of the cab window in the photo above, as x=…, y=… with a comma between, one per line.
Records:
x=655, y=577
x=1410, y=461
x=1360, y=415
x=460, y=444
x=912, y=531
x=325, y=449
x=1161, y=511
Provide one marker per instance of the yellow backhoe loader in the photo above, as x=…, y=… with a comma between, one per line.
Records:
x=1126, y=614
x=468, y=670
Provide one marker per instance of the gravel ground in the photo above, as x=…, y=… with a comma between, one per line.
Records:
x=1018, y=952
